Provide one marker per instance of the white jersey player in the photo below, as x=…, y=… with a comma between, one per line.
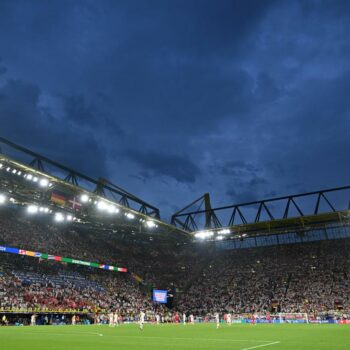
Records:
x=33, y=320
x=229, y=319
x=157, y=319
x=142, y=319
x=116, y=319
x=111, y=319
x=184, y=318
x=217, y=320
x=191, y=319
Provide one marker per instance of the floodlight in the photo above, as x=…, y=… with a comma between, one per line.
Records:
x=101, y=205
x=2, y=198
x=84, y=198
x=150, y=224
x=224, y=231
x=111, y=209
x=14, y=171
x=59, y=217
x=44, y=182
x=219, y=238
x=69, y=217
x=19, y=173
x=35, y=179
x=8, y=168
x=130, y=215
x=1, y=165
x=32, y=209
x=29, y=177
x=204, y=234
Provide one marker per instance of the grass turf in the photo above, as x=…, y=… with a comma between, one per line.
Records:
x=167, y=337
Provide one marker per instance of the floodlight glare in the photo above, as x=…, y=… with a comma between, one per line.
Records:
x=44, y=182
x=111, y=209
x=59, y=217
x=225, y=231
x=1, y=165
x=219, y=238
x=2, y=198
x=130, y=215
x=29, y=177
x=69, y=217
x=101, y=205
x=35, y=179
x=150, y=224
x=32, y=209
x=84, y=198
x=204, y=234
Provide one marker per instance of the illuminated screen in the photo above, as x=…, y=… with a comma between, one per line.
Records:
x=160, y=296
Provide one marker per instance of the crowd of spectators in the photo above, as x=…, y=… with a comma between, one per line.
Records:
x=299, y=278
x=312, y=277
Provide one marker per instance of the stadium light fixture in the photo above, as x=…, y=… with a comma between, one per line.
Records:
x=225, y=231
x=8, y=168
x=150, y=224
x=35, y=179
x=44, y=182
x=111, y=209
x=44, y=210
x=29, y=177
x=2, y=198
x=1, y=165
x=14, y=171
x=219, y=238
x=101, y=205
x=204, y=234
x=130, y=215
x=32, y=209
x=59, y=217
x=84, y=198
x=69, y=217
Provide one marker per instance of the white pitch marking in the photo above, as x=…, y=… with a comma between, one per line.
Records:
x=203, y=339
x=68, y=333
x=260, y=346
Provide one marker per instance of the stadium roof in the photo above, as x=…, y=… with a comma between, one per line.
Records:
x=47, y=188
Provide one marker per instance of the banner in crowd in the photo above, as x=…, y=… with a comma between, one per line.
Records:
x=61, y=259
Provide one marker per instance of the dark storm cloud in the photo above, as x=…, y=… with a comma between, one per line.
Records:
x=244, y=99
x=23, y=120
x=170, y=165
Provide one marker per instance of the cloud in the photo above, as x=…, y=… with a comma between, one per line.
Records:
x=24, y=121
x=178, y=167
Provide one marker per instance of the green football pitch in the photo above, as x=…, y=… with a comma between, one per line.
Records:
x=166, y=337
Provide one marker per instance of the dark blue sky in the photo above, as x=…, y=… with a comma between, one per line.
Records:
x=171, y=99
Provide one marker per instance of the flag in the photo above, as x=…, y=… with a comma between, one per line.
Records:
x=74, y=204
x=22, y=252
x=51, y=257
x=58, y=197
x=30, y=253
x=37, y=255
x=57, y=258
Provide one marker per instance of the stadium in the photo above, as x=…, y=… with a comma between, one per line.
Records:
x=93, y=257
x=174, y=174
